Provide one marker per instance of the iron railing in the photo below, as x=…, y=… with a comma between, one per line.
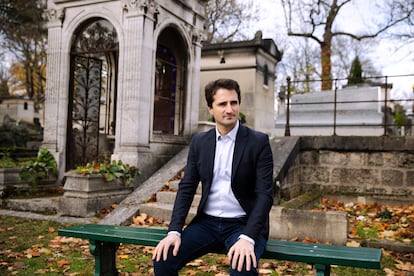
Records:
x=388, y=122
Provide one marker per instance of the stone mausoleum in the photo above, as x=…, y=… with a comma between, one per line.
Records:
x=253, y=64
x=123, y=80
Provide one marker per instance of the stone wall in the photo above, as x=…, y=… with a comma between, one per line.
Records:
x=380, y=167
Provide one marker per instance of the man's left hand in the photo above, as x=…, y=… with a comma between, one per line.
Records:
x=242, y=251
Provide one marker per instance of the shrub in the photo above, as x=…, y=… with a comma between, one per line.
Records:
x=111, y=171
x=41, y=168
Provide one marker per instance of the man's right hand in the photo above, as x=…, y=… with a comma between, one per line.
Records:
x=172, y=239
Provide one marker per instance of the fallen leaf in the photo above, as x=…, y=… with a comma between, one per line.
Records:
x=197, y=262
x=353, y=244
x=41, y=271
x=263, y=271
x=45, y=251
x=389, y=272
x=404, y=266
x=191, y=272
x=62, y=262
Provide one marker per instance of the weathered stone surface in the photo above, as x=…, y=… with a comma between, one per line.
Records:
x=85, y=196
x=349, y=176
x=380, y=166
x=309, y=158
x=410, y=178
x=328, y=226
x=10, y=180
x=10, y=175
x=392, y=178
x=310, y=175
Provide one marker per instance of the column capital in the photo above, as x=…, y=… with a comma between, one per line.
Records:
x=141, y=7
x=54, y=17
x=198, y=36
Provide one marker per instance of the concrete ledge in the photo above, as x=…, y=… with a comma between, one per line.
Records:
x=87, y=207
x=36, y=205
x=288, y=224
x=358, y=143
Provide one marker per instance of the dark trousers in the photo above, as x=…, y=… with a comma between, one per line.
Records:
x=206, y=235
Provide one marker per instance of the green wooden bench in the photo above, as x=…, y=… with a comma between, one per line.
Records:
x=105, y=239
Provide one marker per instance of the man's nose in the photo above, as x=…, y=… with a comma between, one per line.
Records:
x=229, y=108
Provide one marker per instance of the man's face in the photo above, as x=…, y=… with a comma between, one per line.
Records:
x=225, y=109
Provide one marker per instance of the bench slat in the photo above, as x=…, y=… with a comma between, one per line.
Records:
x=323, y=254
x=117, y=234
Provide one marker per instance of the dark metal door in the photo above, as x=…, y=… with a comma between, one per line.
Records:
x=84, y=111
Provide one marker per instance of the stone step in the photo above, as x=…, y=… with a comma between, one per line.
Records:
x=174, y=186
x=162, y=208
x=167, y=197
x=36, y=205
x=163, y=211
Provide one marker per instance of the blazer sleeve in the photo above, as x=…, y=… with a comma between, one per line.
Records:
x=186, y=189
x=254, y=183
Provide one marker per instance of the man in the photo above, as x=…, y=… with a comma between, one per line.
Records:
x=235, y=167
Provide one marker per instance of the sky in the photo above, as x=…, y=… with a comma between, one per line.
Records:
x=389, y=56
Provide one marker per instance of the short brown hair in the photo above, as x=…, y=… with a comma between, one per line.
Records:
x=212, y=87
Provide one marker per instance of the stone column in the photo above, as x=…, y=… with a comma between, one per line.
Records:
x=198, y=35
x=135, y=80
x=53, y=84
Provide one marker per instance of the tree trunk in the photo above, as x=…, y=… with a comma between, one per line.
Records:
x=326, y=65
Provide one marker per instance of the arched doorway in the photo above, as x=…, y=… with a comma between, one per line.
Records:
x=170, y=80
x=92, y=92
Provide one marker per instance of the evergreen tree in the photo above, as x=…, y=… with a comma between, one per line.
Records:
x=355, y=74
x=4, y=89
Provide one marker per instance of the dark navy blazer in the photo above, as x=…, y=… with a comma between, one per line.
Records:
x=252, y=178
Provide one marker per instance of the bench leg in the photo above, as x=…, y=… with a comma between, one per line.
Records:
x=322, y=270
x=105, y=257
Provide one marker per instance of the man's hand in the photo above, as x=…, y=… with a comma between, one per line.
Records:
x=164, y=245
x=240, y=252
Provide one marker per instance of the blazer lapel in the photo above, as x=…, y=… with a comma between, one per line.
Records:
x=240, y=144
x=210, y=150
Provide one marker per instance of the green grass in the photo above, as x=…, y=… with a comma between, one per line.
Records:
x=25, y=249
x=32, y=247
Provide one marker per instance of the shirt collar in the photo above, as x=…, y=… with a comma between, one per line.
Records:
x=232, y=134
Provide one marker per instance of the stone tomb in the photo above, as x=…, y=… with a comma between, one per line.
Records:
x=358, y=112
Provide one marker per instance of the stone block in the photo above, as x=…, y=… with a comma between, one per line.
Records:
x=85, y=196
x=392, y=178
x=375, y=159
x=86, y=207
x=350, y=176
x=315, y=175
x=287, y=224
x=405, y=160
x=410, y=178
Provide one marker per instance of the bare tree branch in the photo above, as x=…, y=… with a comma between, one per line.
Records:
x=225, y=19
x=316, y=19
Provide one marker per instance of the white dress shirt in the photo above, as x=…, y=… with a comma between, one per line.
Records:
x=221, y=201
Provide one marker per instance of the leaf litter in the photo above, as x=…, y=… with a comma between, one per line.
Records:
x=366, y=221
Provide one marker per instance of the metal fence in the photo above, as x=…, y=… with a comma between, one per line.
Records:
x=389, y=124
